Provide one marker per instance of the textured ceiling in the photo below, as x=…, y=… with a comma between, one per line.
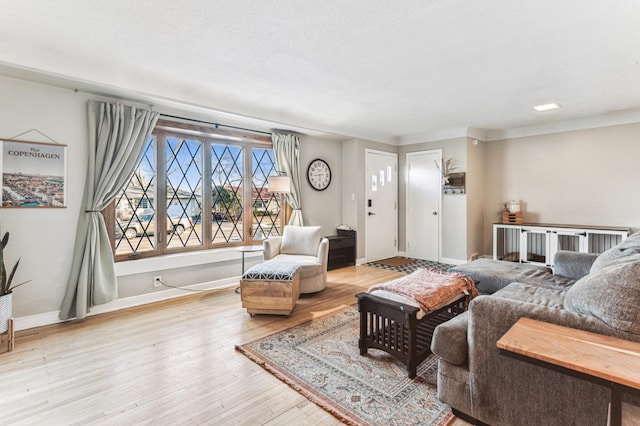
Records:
x=391, y=71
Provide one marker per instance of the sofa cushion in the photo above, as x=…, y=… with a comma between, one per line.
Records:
x=549, y=296
x=272, y=271
x=611, y=294
x=573, y=264
x=629, y=247
x=309, y=266
x=492, y=275
x=303, y=240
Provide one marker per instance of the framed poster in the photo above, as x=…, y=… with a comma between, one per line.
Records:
x=33, y=174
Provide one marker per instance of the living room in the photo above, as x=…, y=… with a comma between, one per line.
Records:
x=564, y=169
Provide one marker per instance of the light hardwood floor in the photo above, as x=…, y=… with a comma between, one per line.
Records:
x=170, y=363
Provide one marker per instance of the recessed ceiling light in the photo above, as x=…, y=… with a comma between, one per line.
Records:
x=546, y=107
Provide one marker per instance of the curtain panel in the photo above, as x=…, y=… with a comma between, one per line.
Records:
x=286, y=147
x=117, y=134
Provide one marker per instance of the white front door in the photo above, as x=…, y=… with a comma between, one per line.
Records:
x=423, y=205
x=381, y=180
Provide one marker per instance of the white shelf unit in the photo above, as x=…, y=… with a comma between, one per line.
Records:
x=538, y=243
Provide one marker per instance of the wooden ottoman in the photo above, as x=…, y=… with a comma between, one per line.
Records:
x=398, y=326
x=270, y=288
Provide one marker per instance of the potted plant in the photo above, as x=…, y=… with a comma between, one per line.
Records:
x=6, y=287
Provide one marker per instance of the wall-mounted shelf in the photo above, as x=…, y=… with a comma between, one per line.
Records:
x=456, y=184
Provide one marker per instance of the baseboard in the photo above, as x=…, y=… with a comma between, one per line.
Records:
x=48, y=318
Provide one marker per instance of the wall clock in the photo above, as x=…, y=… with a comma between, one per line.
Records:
x=319, y=174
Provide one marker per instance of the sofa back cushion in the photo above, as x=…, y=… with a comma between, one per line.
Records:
x=303, y=240
x=611, y=294
x=617, y=254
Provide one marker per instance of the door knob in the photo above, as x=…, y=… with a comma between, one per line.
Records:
x=435, y=213
x=371, y=214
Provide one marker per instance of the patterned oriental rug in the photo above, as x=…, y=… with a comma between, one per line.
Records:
x=320, y=359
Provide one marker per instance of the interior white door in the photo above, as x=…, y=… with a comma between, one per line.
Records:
x=381, y=208
x=423, y=205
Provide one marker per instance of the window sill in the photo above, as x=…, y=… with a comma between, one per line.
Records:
x=181, y=260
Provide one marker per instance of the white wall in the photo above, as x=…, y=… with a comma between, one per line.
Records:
x=476, y=195
x=44, y=238
x=323, y=208
x=585, y=177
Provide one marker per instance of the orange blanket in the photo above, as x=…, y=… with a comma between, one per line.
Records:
x=430, y=289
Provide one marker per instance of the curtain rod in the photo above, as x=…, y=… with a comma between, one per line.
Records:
x=217, y=125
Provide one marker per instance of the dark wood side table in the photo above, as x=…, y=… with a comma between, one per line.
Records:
x=607, y=361
x=342, y=250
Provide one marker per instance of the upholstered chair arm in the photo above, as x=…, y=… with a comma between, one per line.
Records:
x=323, y=253
x=271, y=247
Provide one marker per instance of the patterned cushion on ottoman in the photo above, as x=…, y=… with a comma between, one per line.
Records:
x=272, y=271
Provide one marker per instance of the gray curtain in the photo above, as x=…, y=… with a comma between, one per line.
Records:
x=117, y=134
x=286, y=148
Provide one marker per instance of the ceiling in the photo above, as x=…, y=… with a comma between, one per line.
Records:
x=390, y=71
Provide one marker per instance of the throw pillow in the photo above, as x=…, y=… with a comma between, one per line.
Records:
x=302, y=240
x=612, y=294
x=629, y=247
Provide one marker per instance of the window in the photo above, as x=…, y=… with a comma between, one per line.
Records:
x=196, y=187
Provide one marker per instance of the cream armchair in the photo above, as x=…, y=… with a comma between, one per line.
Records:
x=304, y=246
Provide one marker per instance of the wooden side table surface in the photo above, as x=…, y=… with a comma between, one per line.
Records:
x=602, y=359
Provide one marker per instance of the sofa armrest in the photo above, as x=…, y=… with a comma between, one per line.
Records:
x=271, y=247
x=497, y=386
x=572, y=264
x=323, y=253
x=449, y=339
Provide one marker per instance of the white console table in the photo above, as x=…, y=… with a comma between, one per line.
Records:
x=537, y=243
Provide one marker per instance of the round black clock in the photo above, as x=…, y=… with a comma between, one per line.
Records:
x=319, y=174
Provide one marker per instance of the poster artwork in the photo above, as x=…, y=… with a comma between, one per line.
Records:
x=33, y=174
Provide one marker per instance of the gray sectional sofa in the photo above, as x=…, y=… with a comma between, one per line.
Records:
x=600, y=294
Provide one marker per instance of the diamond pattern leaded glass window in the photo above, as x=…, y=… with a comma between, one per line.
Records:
x=227, y=179
x=184, y=192
x=135, y=211
x=265, y=205
x=167, y=191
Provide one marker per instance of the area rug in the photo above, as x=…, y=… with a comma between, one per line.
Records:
x=411, y=266
x=321, y=360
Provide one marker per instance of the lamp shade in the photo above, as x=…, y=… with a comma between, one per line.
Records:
x=279, y=184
